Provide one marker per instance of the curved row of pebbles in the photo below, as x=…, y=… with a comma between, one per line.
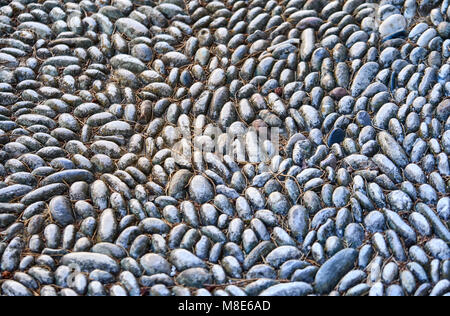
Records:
x=101, y=102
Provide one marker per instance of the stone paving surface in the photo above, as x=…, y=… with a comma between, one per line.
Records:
x=262, y=147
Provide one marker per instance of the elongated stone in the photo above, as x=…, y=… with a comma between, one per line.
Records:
x=14, y=191
x=392, y=149
x=69, y=176
x=131, y=28
x=88, y=262
x=364, y=77
x=288, y=289
x=332, y=271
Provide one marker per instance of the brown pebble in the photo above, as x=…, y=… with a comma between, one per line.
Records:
x=338, y=93
x=257, y=124
x=279, y=91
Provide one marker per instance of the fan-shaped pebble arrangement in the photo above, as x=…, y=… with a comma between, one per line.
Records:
x=102, y=102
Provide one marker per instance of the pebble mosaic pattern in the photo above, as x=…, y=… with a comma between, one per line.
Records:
x=98, y=99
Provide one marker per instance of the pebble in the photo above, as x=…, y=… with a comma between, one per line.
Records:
x=131, y=28
x=334, y=269
x=394, y=24
x=200, y=189
x=336, y=136
x=288, y=289
x=61, y=210
x=89, y=262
